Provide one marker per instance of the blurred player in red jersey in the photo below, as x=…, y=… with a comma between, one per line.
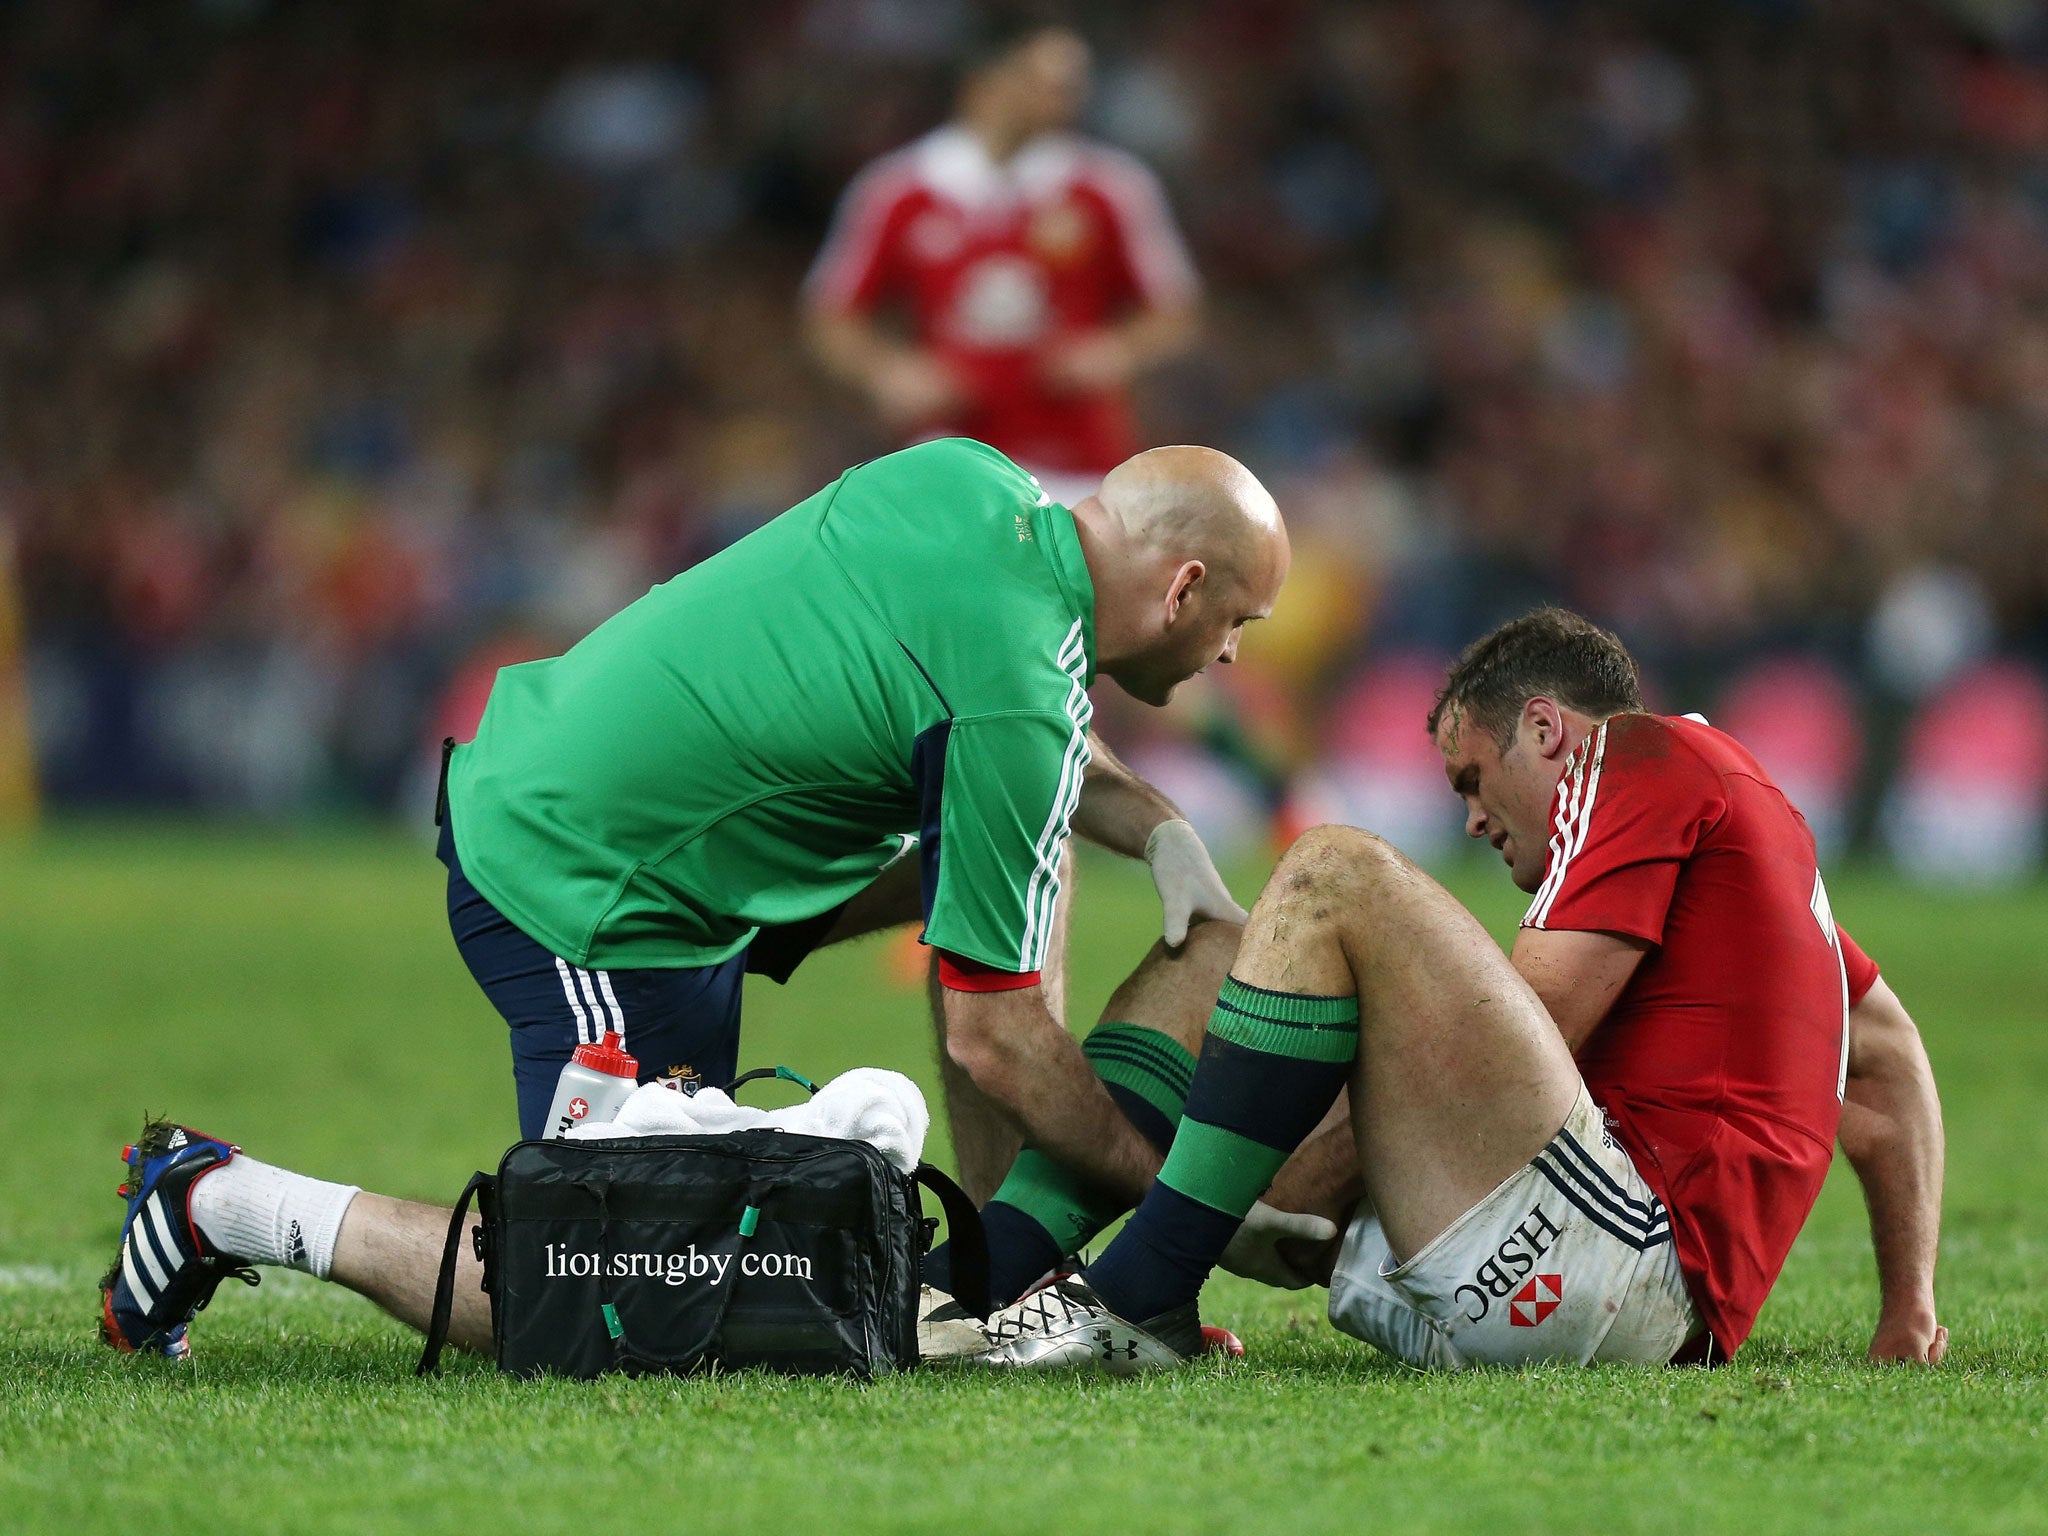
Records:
x=1598, y=1148
x=1040, y=273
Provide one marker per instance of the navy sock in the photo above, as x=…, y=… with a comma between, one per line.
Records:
x=1272, y=1065
x=1044, y=1212
x=1020, y=1252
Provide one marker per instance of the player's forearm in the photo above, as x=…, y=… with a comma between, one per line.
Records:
x=852, y=348
x=1891, y=1133
x=1035, y=1072
x=1118, y=810
x=1157, y=336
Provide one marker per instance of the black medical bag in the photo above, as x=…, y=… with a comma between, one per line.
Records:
x=757, y=1248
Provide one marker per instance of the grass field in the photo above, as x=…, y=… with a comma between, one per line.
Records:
x=301, y=996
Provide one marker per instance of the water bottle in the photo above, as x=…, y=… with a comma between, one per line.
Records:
x=593, y=1086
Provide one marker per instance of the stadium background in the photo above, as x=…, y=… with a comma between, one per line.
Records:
x=347, y=351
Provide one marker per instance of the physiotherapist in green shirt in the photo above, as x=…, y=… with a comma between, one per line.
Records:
x=873, y=706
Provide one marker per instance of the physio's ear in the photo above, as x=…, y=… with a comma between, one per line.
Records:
x=1543, y=726
x=1182, y=587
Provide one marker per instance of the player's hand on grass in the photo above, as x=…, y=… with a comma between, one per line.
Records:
x=1254, y=1254
x=1189, y=886
x=1914, y=1339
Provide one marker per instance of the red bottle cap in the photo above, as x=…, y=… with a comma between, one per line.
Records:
x=610, y=1056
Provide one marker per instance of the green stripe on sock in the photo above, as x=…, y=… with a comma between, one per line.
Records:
x=1305, y=1040
x=1058, y=1201
x=1154, y=1066
x=1219, y=1168
x=1174, y=1059
x=1288, y=1007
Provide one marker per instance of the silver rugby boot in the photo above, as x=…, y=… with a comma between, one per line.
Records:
x=1067, y=1327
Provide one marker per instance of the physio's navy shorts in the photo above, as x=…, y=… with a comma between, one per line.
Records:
x=683, y=1024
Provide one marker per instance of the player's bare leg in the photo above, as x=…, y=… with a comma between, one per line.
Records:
x=213, y=1210
x=1174, y=990
x=1461, y=1077
x=390, y=1251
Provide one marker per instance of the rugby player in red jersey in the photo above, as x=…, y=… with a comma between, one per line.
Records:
x=1599, y=1148
x=1039, y=273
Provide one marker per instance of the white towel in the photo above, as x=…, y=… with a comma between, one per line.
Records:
x=866, y=1104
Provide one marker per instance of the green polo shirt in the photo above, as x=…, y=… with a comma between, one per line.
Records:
x=903, y=656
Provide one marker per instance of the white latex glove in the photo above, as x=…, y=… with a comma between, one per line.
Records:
x=1189, y=886
x=1254, y=1253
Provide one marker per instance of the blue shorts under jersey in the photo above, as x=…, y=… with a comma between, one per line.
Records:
x=682, y=1024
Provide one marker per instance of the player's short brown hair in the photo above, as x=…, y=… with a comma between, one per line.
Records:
x=1551, y=653
x=1000, y=35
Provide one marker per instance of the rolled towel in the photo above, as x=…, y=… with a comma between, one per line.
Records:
x=867, y=1104
x=653, y=1109
x=872, y=1105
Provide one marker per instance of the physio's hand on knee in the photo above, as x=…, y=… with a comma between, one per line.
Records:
x=1189, y=886
x=1254, y=1254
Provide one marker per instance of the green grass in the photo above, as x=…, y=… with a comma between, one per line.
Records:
x=302, y=997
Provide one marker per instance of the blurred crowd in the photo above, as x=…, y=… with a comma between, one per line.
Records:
x=348, y=348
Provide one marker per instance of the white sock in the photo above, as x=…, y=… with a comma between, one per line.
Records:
x=270, y=1216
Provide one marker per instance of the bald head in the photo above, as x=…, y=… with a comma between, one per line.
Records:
x=1197, y=503
x=1185, y=547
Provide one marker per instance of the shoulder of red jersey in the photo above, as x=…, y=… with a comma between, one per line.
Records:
x=1715, y=747
x=874, y=202
x=1631, y=804
x=1153, y=243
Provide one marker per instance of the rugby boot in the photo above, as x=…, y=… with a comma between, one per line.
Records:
x=1066, y=1326
x=165, y=1271
x=947, y=1333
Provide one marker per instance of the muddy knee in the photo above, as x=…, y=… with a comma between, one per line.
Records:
x=1333, y=864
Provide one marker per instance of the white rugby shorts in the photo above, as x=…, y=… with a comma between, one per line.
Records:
x=1570, y=1258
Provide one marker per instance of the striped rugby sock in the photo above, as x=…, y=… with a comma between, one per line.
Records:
x=1272, y=1065
x=1043, y=1212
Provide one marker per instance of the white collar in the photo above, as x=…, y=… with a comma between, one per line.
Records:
x=958, y=165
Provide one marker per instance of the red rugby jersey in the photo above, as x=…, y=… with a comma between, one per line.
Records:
x=1721, y=1065
x=999, y=263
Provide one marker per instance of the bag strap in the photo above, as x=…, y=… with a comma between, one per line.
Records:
x=964, y=1232
x=444, y=1283
x=963, y=1218
x=624, y=1350
x=760, y=1074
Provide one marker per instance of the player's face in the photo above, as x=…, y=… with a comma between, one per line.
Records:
x=1507, y=794
x=1205, y=626
x=1047, y=81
